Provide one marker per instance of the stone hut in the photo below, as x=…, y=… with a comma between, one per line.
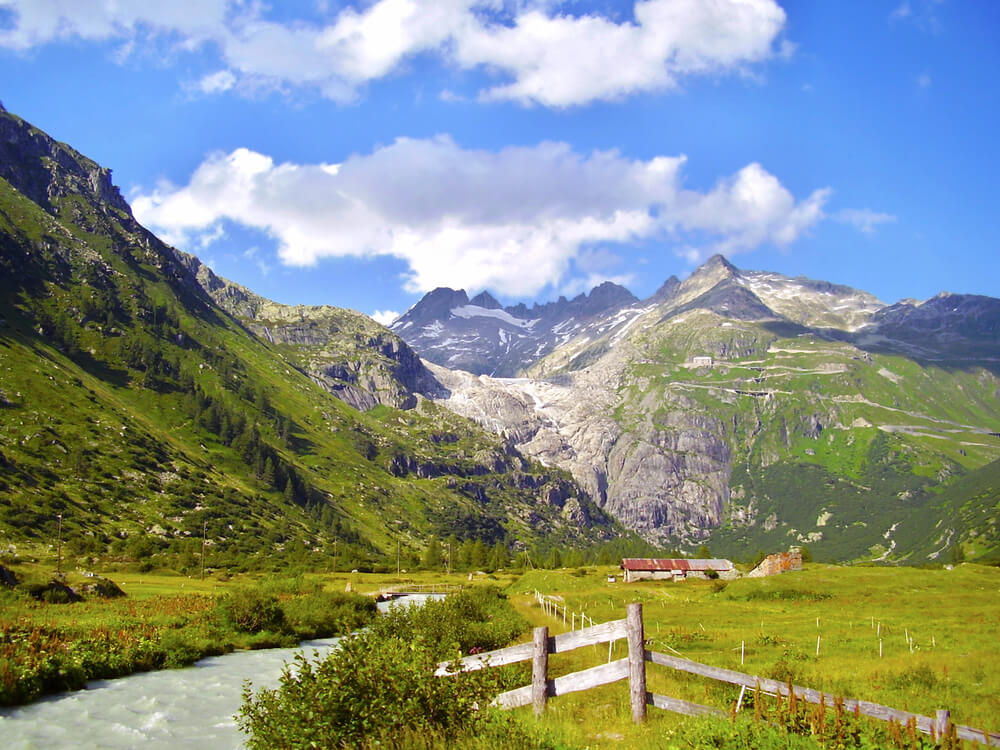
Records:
x=781, y=562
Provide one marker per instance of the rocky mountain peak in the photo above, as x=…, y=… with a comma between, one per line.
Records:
x=667, y=290
x=606, y=296
x=435, y=305
x=44, y=169
x=485, y=300
x=711, y=272
x=719, y=261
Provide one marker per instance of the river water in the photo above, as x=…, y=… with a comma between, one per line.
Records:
x=188, y=708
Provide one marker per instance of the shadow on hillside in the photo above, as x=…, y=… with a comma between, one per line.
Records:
x=963, y=356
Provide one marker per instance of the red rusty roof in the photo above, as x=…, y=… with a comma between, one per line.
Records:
x=668, y=564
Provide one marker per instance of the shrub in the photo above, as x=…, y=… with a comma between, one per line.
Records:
x=250, y=610
x=325, y=613
x=177, y=650
x=379, y=686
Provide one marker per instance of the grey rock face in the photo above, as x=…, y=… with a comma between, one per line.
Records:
x=44, y=169
x=347, y=353
x=666, y=477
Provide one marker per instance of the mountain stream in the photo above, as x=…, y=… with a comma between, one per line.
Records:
x=190, y=708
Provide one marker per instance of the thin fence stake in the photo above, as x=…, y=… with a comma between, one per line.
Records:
x=743, y=645
x=879, y=648
x=817, y=645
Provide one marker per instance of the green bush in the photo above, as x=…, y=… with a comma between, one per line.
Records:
x=324, y=613
x=178, y=651
x=250, y=610
x=380, y=684
x=478, y=619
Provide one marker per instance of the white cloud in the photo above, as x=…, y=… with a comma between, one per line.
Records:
x=218, y=82
x=38, y=22
x=924, y=81
x=385, y=317
x=560, y=60
x=514, y=220
x=863, y=219
x=748, y=209
x=541, y=54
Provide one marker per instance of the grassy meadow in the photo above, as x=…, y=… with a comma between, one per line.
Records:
x=951, y=618
x=938, y=630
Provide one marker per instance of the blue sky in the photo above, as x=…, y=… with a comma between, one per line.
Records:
x=361, y=154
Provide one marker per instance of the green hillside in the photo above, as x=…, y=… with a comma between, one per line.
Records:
x=143, y=414
x=858, y=454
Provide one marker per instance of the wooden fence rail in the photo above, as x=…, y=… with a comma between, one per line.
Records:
x=633, y=668
x=401, y=589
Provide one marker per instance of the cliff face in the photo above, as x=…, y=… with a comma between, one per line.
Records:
x=347, y=353
x=666, y=475
x=44, y=170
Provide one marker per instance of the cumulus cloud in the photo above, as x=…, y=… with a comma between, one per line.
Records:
x=863, y=219
x=385, y=317
x=217, y=82
x=560, y=60
x=541, y=54
x=514, y=220
x=36, y=22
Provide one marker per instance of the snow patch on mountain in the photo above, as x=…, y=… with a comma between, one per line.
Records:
x=473, y=311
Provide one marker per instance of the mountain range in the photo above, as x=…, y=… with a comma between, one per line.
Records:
x=147, y=405
x=744, y=408
x=145, y=399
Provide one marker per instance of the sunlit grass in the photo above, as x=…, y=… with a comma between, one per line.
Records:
x=951, y=617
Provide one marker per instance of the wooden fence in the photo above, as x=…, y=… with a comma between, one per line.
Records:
x=405, y=589
x=633, y=667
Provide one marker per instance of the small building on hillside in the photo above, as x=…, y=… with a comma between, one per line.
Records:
x=781, y=562
x=666, y=569
x=701, y=361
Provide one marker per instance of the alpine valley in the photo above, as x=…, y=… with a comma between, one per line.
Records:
x=148, y=407
x=148, y=402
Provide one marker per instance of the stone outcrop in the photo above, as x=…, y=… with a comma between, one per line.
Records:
x=666, y=477
x=347, y=353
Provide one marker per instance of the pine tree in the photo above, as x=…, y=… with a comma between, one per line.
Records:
x=267, y=476
x=463, y=558
x=498, y=556
x=477, y=560
x=432, y=555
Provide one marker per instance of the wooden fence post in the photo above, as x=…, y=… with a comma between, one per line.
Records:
x=540, y=669
x=636, y=661
x=941, y=724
